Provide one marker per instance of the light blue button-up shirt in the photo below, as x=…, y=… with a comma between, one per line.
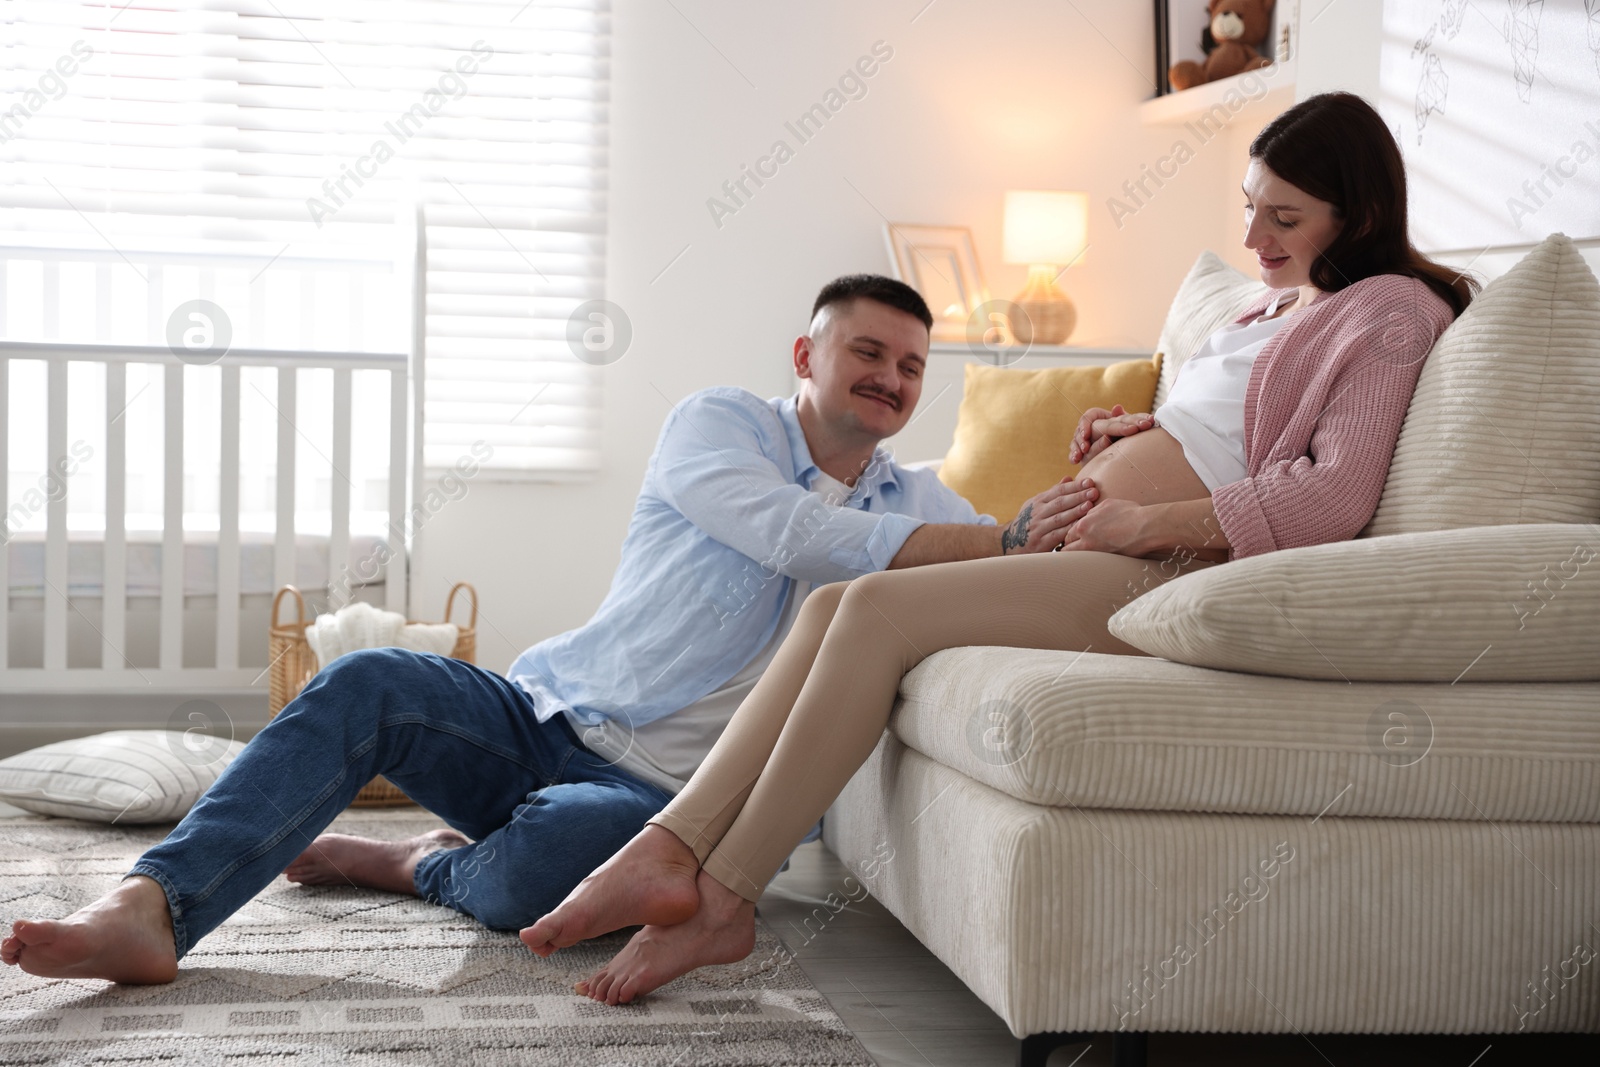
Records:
x=725, y=521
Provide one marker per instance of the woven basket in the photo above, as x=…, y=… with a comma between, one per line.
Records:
x=292, y=664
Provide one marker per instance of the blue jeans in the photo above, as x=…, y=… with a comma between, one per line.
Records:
x=461, y=741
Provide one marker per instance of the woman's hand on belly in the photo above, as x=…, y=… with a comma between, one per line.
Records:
x=1099, y=428
x=1146, y=531
x=1148, y=468
x=1110, y=526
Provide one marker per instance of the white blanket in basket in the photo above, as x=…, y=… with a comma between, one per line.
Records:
x=360, y=625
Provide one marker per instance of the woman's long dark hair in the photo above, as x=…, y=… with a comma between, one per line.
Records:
x=1336, y=147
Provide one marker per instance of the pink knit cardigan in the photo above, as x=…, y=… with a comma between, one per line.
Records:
x=1323, y=410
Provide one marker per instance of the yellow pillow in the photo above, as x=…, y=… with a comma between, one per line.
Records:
x=1014, y=429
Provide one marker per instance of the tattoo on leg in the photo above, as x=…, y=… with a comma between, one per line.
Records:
x=1016, y=534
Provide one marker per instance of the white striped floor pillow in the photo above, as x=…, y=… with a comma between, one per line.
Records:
x=125, y=776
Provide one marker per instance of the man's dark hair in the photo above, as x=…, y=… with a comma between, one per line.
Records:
x=897, y=295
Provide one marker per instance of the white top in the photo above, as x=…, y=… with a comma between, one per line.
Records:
x=667, y=752
x=1204, y=408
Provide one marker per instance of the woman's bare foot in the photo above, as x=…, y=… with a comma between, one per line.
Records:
x=125, y=936
x=722, y=931
x=651, y=880
x=339, y=859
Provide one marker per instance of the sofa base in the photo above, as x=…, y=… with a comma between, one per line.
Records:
x=1066, y=920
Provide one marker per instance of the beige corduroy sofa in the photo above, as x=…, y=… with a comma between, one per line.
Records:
x=1355, y=787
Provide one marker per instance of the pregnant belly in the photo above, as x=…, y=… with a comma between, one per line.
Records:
x=1146, y=468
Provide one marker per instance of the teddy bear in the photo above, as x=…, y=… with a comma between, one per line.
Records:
x=1236, y=28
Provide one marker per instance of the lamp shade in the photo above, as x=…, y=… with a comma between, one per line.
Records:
x=1045, y=227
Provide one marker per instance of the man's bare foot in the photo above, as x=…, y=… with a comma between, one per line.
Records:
x=650, y=881
x=125, y=936
x=722, y=931
x=339, y=859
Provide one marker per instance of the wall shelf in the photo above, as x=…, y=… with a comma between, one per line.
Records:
x=1233, y=95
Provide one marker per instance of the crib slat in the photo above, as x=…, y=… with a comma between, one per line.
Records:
x=171, y=657
x=414, y=276
x=5, y=491
x=394, y=578
x=114, y=603
x=283, y=550
x=228, y=525
x=55, y=543
x=340, y=577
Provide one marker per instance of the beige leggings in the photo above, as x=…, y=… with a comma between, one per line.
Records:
x=819, y=709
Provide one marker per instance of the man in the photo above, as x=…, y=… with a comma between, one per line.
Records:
x=746, y=504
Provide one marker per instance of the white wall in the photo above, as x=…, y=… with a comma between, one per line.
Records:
x=975, y=100
x=1339, y=47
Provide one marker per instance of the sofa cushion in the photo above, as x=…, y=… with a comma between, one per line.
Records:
x=1212, y=295
x=1094, y=730
x=1480, y=604
x=1014, y=429
x=1504, y=426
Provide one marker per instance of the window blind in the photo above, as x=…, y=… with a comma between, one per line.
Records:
x=303, y=126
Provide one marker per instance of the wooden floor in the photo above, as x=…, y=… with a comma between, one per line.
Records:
x=908, y=1009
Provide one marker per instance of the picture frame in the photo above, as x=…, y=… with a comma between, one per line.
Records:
x=940, y=263
x=1164, y=58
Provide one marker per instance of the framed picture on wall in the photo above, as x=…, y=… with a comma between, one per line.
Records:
x=941, y=263
x=1163, y=49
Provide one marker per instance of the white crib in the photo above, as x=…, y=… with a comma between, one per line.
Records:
x=157, y=601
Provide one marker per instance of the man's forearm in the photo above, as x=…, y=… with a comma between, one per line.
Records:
x=946, y=542
x=1186, y=525
x=1040, y=525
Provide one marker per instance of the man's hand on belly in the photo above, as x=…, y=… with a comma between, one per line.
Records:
x=1043, y=519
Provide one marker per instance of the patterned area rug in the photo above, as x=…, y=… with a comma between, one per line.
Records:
x=327, y=975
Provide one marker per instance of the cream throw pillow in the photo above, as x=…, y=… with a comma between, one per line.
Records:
x=1504, y=426
x=1505, y=603
x=125, y=776
x=1211, y=296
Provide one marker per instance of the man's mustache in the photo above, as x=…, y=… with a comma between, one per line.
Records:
x=892, y=398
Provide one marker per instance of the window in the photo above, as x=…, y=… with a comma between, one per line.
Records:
x=300, y=128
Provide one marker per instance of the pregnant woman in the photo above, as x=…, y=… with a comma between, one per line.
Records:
x=1278, y=433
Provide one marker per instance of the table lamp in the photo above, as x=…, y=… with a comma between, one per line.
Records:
x=1045, y=231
